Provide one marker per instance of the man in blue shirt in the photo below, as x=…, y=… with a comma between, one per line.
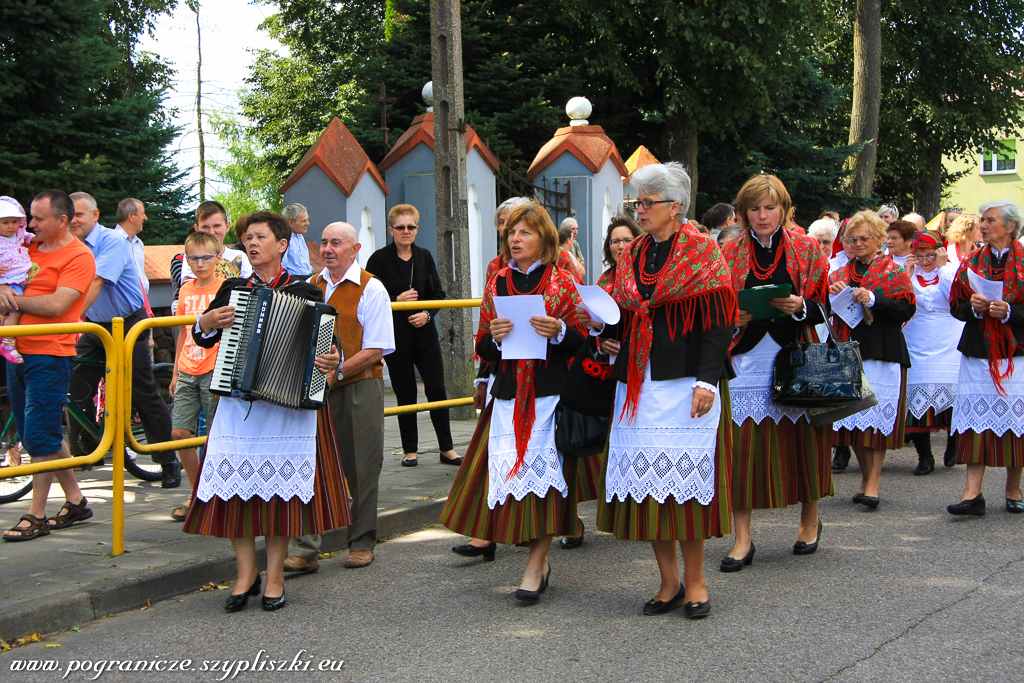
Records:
x=296, y=259
x=117, y=291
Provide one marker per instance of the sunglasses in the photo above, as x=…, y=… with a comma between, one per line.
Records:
x=405, y=228
x=856, y=240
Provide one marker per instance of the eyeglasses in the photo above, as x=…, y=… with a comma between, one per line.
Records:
x=856, y=240
x=405, y=228
x=205, y=258
x=623, y=240
x=648, y=203
x=926, y=259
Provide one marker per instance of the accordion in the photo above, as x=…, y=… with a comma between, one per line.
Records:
x=267, y=354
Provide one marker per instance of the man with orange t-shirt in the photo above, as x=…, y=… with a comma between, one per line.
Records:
x=38, y=388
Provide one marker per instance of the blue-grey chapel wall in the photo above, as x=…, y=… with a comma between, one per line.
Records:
x=568, y=168
x=325, y=202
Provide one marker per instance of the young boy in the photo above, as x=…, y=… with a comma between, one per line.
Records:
x=212, y=218
x=190, y=383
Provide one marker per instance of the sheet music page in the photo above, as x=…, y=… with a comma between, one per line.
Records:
x=523, y=342
x=991, y=290
x=846, y=308
x=599, y=304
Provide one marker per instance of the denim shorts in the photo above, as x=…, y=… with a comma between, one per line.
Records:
x=38, y=391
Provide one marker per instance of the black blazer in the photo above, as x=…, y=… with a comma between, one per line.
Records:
x=394, y=273
x=972, y=341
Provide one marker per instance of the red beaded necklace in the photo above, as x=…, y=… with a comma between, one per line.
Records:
x=541, y=286
x=765, y=273
x=857, y=278
x=652, y=279
x=926, y=283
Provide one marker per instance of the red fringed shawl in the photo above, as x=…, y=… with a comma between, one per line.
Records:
x=1000, y=343
x=492, y=268
x=805, y=264
x=607, y=280
x=568, y=266
x=560, y=299
x=883, y=277
x=695, y=279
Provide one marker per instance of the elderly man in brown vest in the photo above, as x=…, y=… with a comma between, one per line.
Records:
x=367, y=334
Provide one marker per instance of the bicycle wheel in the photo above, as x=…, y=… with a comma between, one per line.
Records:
x=13, y=488
x=141, y=465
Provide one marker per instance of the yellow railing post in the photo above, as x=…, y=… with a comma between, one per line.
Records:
x=115, y=402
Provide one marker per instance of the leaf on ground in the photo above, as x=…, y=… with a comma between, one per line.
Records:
x=325, y=556
x=211, y=586
x=147, y=606
x=52, y=645
x=24, y=640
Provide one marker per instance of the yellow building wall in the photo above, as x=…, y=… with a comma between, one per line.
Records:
x=974, y=189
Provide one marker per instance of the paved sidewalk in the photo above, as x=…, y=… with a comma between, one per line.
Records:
x=69, y=577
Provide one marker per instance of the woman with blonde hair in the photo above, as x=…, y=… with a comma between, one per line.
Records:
x=963, y=237
x=889, y=303
x=779, y=459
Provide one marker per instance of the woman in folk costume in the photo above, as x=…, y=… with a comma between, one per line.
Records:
x=963, y=237
x=779, y=459
x=530, y=491
x=668, y=466
x=987, y=415
x=932, y=338
x=885, y=292
x=267, y=470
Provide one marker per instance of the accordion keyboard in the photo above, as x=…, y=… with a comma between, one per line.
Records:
x=233, y=344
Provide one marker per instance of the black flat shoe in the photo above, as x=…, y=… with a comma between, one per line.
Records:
x=870, y=502
x=410, y=462
x=803, y=548
x=655, y=607
x=731, y=564
x=533, y=596
x=271, y=604
x=841, y=459
x=924, y=467
x=237, y=603
x=949, y=457
x=469, y=550
x=570, y=543
x=455, y=462
x=974, y=507
x=858, y=497
x=1014, y=506
x=697, y=610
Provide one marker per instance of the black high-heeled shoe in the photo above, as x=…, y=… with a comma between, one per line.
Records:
x=804, y=548
x=568, y=543
x=236, y=603
x=470, y=550
x=533, y=596
x=697, y=610
x=731, y=564
x=271, y=604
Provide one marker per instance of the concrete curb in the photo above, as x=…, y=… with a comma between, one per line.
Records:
x=74, y=607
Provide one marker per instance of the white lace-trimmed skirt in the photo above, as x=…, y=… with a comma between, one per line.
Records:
x=663, y=451
x=980, y=408
x=259, y=449
x=751, y=390
x=542, y=468
x=886, y=381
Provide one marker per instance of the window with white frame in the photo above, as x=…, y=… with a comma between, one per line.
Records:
x=1003, y=159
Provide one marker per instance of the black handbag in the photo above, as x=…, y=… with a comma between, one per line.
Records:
x=814, y=374
x=585, y=404
x=578, y=435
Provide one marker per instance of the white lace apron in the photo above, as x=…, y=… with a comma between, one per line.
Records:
x=272, y=452
x=543, y=463
x=663, y=451
x=751, y=391
x=932, y=337
x=979, y=408
x=885, y=382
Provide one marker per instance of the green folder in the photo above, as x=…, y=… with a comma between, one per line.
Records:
x=755, y=300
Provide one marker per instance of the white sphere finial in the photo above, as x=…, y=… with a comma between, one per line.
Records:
x=428, y=95
x=579, y=110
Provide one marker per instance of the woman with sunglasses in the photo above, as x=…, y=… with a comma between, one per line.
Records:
x=409, y=274
x=932, y=337
x=888, y=301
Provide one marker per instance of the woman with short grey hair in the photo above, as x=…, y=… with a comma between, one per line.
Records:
x=824, y=232
x=670, y=181
x=1009, y=213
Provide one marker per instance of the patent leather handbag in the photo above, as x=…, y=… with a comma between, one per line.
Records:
x=578, y=435
x=588, y=388
x=818, y=374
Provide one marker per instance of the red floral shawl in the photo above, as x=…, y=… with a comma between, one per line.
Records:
x=566, y=264
x=560, y=299
x=695, y=278
x=1000, y=343
x=493, y=267
x=883, y=277
x=805, y=264
x=607, y=280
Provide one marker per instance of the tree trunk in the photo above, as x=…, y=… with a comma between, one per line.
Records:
x=867, y=95
x=681, y=145
x=928, y=184
x=199, y=106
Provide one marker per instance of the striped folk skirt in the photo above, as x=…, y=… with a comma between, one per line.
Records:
x=589, y=474
x=930, y=422
x=327, y=509
x=649, y=520
x=514, y=522
x=986, y=448
x=780, y=464
x=872, y=438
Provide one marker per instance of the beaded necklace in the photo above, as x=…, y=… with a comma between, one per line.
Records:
x=927, y=283
x=541, y=286
x=652, y=279
x=765, y=273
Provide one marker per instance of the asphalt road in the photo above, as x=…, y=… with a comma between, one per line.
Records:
x=906, y=592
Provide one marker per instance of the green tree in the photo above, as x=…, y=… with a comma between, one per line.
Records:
x=251, y=182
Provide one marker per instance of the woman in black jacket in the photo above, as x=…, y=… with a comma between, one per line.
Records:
x=409, y=274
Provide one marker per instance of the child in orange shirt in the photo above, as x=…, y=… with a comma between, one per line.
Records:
x=193, y=368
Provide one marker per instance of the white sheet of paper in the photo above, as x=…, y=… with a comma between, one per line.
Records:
x=846, y=308
x=523, y=342
x=599, y=304
x=991, y=290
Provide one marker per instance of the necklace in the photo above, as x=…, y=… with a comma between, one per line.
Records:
x=765, y=273
x=855, y=277
x=652, y=279
x=927, y=283
x=541, y=286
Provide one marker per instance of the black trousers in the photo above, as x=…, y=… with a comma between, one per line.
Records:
x=146, y=400
x=403, y=381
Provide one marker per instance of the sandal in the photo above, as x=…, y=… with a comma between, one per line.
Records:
x=71, y=513
x=183, y=509
x=36, y=527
